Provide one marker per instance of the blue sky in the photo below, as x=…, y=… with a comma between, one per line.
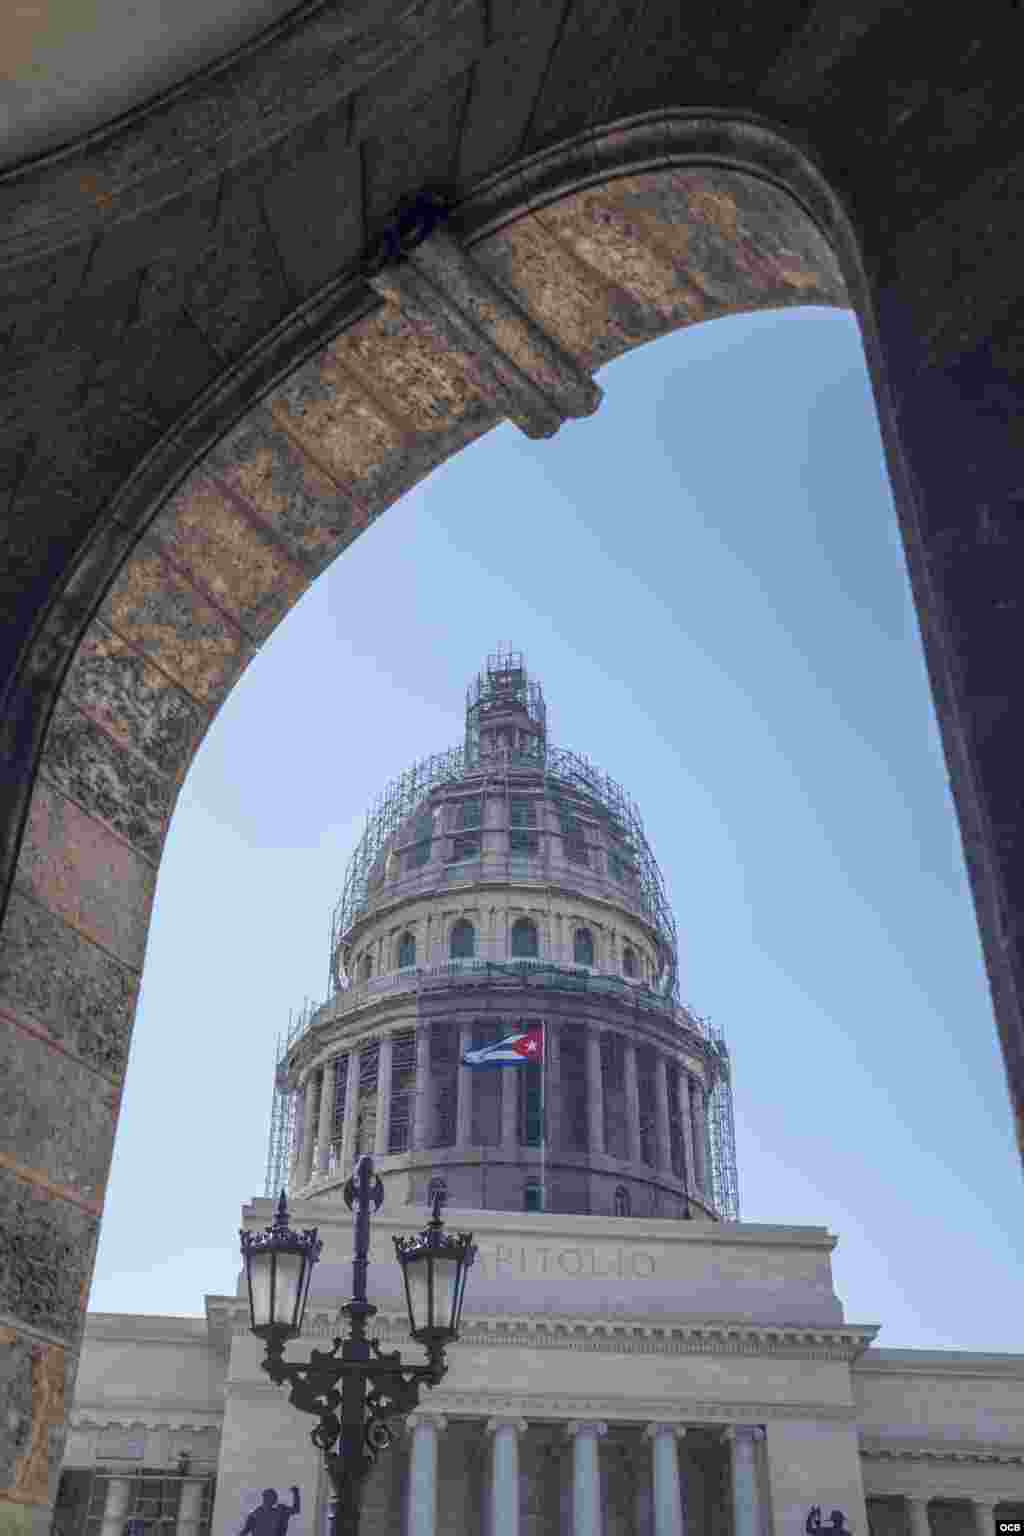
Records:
x=707, y=579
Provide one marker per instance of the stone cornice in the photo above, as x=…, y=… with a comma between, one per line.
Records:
x=608, y=1408
x=873, y=1448
x=929, y=1362
x=619, y=1335
x=540, y=1227
x=126, y=1414
x=145, y=1328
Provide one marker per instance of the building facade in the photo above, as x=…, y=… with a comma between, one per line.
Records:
x=634, y=1360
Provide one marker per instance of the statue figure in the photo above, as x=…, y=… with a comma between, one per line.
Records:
x=271, y=1518
x=836, y=1526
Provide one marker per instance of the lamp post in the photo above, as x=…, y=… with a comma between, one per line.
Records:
x=366, y=1385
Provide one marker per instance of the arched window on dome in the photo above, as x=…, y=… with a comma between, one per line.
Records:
x=524, y=939
x=583, y=947
x=366, y=967
x=533, y=1199
x=406, y=950
x=628, y=960
x=462, y=944
x=437, y=1187
x=622, y=1201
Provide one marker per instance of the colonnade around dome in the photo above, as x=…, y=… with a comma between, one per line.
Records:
x=625, y=1105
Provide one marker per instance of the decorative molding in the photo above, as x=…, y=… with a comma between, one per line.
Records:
x=508, y=1226
x=100, y=1416
x=651, y=141
x=625, y=1336
x=145, y=1328
x=873, y=1448
x=510, y=1420
x=933, y=1363
x=675, y=1411
x=527, y=374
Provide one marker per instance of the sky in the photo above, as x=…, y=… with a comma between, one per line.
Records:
x=707, y=579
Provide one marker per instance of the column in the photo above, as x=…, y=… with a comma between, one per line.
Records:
x=115, y=1510
x=552, y=1069
x=917, y=1517
x=422, y=1519
x=190, y=1507
x=423, y=1128
x=983, y=1513
x=632, y=1101
x=505, y=1475
x=686, y=1120
x=464, y=1102
x=586, y=1477
x=325, y=1128
x=348, y=1125
x=668, y=1493
x=308, y=1131
x=299, y=1101
x=663, y=1136
x=382, y=1128
x=700, y=1161
x=595, y=1090
x=745, y=1491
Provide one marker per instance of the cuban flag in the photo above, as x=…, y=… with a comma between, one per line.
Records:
x=513, y=1051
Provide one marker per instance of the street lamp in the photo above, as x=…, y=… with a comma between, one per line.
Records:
x=374, y=1386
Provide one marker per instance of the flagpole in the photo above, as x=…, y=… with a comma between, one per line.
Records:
x=543, y=1124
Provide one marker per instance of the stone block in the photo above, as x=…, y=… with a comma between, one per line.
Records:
x=47, y=1257
x=313, y=210
x=78, y=993
x=32, y=1404
x=310, y=514
x=209, y=536
x=158, y=610
x=86, y=874
x=135, y=702
x=106, y=780
x=55, y=1117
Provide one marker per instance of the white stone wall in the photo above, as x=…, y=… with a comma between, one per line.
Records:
x=662, y=1322
x=264, y=1444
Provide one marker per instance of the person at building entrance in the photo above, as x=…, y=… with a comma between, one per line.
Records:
x=271, y=1518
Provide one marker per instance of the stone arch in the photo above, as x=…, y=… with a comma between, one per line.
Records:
x=584, y=252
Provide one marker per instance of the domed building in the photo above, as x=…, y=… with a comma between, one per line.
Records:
x=501, y=885
x=633, y=1359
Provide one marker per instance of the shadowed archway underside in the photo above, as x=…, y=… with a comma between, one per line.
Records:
x=209, y=255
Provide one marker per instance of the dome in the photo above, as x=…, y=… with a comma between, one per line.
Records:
x=504, y=891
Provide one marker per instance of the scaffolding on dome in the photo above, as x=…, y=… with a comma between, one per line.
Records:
x=393, y=805
x=503, y=684
x=722, y=1133
x=282, y=1107
x=563, y=769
